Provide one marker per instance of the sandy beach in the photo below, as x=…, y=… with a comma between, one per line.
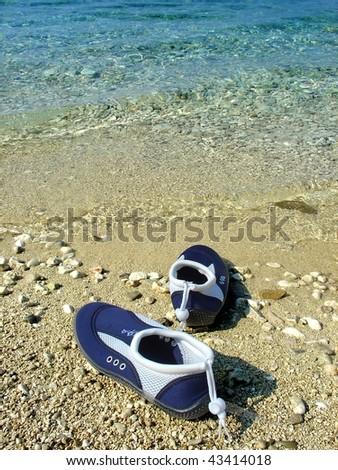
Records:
x=103, y=204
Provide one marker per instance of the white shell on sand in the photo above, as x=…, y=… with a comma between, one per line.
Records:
x=312, y=323
x=291, y=331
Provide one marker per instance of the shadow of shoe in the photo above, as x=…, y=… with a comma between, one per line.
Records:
x=241, y=384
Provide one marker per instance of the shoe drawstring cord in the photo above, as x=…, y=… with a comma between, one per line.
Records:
x=182, y=313
x=217, y=405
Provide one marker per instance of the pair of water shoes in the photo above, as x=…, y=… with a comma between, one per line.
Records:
x=169, y=368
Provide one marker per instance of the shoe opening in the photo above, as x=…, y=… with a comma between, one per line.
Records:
x=162, y=350
x=190, y=274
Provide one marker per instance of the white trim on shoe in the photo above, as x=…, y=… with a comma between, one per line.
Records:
x=184, y=263
x=209, y=287
x=197, y=347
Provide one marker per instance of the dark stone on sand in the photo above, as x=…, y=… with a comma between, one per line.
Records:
x=272, y=294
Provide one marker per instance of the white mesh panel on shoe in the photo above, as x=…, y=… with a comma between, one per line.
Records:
x=188, y=354
x=152, y=382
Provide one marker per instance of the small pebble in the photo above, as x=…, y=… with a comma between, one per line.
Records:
x=96, y=270
x=331, y=303
x=291, y=331
x=296, y=419
x=23, y=298
x=195, y=442
x=291, y=445
x=67, y=308
x=23, y=389
x=272, y=294
x=164, y=289
x=154, y=276
x=64, y=269
x=77, y=274
x=255, y=315
x=317, y=294
x=48, y=357
x=285, y=283
x=120, y=428
x=321, y=405
x=331, y=369
x=297, y=405
x=149, y=300
x=271, y=264
x=19, y=246
x=319, y=286
x=308, y=279
x=4, y=291
x=53, y=286
x=4, y=266
x=267, y=327
x=290, y=276
x=66, y=250
x=261, y=444
x=312, y=323
x=134, y=295
x=74, y=262
x=32, y=263
x=42, y=288
x=53, y=261
x=326, y=309
x=126, y=413
x=315, y=274
x=130, y=283
x=138, y=276
x=256, y=304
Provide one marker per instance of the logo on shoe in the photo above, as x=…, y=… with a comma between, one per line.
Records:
x=128, y=332
x=222, y=280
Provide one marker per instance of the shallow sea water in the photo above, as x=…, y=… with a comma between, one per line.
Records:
x=253, y=84
x=67, y=53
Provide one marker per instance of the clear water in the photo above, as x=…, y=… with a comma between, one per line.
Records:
x=59, y=53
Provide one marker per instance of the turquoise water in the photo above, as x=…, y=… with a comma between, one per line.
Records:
x=58, y=52
x=84, y=58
